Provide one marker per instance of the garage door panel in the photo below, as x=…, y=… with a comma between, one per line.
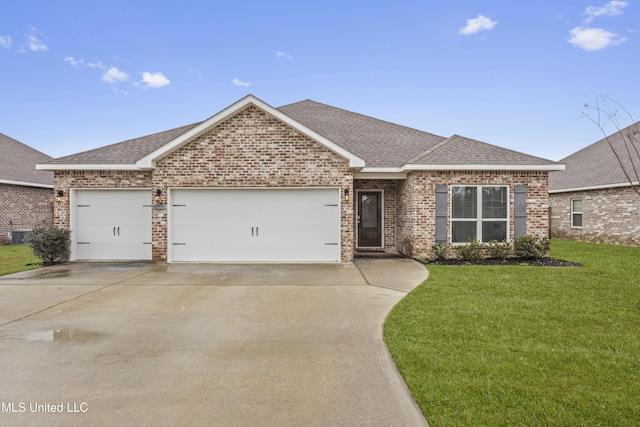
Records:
x=112, y=225
x=211, y=232
x=258, y=225
x=114, y=250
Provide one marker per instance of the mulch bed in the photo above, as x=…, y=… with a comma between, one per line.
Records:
x=542, y=262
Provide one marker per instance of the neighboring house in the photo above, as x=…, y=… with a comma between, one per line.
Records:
x=302, y=183
x=593, y=199
x=26, y=194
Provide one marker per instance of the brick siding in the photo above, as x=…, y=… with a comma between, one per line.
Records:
x=416, y=204
x=26, y=207
x=609, y=215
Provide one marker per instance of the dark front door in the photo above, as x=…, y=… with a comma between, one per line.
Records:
x=369, y=219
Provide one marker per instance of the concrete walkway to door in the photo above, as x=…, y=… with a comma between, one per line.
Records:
x=204, y=344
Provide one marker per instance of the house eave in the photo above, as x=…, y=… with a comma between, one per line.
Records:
x=89, y=167
x=459, y=167
x=482, y=167
x=25, y=184
x=594, y=187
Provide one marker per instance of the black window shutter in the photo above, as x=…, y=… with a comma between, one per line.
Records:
x=442, y=196
x=520, y=211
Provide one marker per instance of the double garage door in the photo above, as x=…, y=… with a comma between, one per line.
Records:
x=255, y=225
x=206, y=225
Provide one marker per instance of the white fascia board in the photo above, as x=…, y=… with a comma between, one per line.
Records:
x=25, y=184
x=148, y=162
x=594, y=187
x=379, y=175
x=479, y=167
x=88, y=167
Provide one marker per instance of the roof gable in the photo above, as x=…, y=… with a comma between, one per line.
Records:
x=18, y=164
x=596, y=165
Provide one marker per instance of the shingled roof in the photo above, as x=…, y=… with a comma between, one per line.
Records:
x=596, y=166
x=18, y=164
x=381, y=144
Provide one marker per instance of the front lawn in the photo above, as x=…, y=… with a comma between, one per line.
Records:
x=517, y=345
x=15, y=258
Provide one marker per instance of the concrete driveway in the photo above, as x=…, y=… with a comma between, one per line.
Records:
x=197, y=344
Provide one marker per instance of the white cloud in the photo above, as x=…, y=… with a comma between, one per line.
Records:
x=281, y=54
x=239, y=82
x=98, y=65
x=591, y=39
x=113, y=75
x=154, y=80
x=76, y=63
x=475, y=25
x=5, y=41
x=33, y=42
x=614, y=7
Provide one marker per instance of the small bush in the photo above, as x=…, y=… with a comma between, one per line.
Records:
x=51, y=245
x=499, y=250
x=471, y=251
x=531, y=247
x=440, y=251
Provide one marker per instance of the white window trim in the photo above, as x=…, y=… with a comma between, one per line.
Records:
x=479, y=219
x=573, y=212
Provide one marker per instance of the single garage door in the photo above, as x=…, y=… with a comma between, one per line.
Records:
x=255, y=225
x=112, y=225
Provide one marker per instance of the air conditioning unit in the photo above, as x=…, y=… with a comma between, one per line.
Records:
x=18, y=236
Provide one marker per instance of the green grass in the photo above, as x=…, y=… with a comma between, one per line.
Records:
x=525, y=346
x=17, y=258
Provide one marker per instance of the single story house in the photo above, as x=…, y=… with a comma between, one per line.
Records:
x=596, y=197
x=305, y=182
x=26, y=194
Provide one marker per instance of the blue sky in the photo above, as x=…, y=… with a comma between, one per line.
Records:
x=76, y=75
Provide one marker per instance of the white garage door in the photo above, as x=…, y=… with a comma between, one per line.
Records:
x=255, y=225
x=112, y=225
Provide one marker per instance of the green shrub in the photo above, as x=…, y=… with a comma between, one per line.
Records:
x=51, y=245
x=531, y=247
x=499, y=250
x=440, y=251
x=471, y=251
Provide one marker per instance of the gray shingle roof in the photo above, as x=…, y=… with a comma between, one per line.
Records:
x=126, y=152
x=596, y=165
x=459, y=150
x=380, y=143
x=18, y=163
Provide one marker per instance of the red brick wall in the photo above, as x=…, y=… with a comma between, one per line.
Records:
x=26, y=207
x=416, y=204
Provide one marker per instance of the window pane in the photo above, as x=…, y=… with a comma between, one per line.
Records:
x=577, y=220
x=494, y=230
x=494, y=202
x=576, y=205
x=462, y=231
x=369, y=204
x=464, y=202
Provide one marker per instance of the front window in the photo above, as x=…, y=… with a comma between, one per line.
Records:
x=576, y=213
x=480, y=212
